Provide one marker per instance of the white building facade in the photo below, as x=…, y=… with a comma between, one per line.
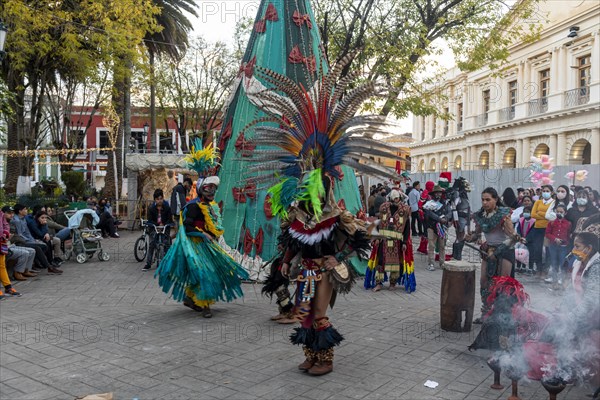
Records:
x=547, y=101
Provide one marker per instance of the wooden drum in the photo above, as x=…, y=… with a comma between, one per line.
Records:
x=457, y=297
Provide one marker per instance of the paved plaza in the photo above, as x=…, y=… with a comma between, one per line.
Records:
x=107, y=327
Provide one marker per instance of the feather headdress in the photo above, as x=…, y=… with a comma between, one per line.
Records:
x=202, y=159
x=315, y=132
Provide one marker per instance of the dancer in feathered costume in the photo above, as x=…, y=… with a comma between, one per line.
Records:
x=277, y=285
x=196, y=269
x=390, y=257
x=313, y=132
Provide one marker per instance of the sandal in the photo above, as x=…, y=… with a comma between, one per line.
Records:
x=377, y=288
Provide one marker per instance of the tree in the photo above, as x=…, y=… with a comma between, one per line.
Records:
x=194, y=89
x=60, y=112
x=399, y=37
x=68, y=38
x=171, y=41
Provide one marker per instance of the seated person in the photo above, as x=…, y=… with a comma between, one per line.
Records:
x=38, y=226
x=21, y=236
x=107, y=221
x=56, y=229
x=159, y=214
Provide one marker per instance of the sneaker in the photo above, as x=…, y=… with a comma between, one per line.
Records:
x=2, y=297
x=430, y=267
x=560, y=282
x=115, y=235
x=146, y=267
x=549, y=280
x=13, y=292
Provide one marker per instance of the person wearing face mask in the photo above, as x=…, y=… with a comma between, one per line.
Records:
x=557, y=234
x=196, y=269
x=582, y=208
x=524, y=227
x=517, y=213
x=539, y=214
x=585, y=277
x=561, y=196
x=437, y=217
x=388, y=255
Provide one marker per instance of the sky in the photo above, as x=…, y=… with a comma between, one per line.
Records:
x=217, y=20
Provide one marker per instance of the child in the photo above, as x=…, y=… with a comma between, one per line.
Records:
x=524, y=227
x=557, y=234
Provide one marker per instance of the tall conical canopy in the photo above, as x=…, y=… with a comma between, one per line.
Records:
x=285, y=39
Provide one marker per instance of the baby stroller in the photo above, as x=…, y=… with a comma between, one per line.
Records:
x=87, y=240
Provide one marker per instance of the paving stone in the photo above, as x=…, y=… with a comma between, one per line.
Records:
x=108, y=327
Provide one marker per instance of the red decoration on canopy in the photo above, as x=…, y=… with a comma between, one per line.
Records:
x=260, y=26
x=243, y=146
x=267, y=207
x=242, y=194
x=271, y=13
x=256, y=242
x=225, y=137
x=296, y=57
x=300, y=19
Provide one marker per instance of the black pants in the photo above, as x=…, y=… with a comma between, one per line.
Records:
x=154, y=238
x=416, y=223
x=40, y=253
x=107, y=224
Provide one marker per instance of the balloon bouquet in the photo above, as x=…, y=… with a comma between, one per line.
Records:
x=579, y=176
x=541, y=171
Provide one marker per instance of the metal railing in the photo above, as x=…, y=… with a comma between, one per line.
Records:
x=577, y=97
x=506, y=114
x=141, y=150
x=537, y=106
x=482, y=119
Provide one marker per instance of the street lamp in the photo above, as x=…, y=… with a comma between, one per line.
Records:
x=145, y=136
x=3, y=31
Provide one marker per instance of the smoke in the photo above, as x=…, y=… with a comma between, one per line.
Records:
x=559, y=346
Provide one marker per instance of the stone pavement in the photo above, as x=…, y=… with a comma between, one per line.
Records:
x=107, y=327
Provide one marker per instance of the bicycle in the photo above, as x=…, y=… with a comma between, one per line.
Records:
x=140, y=250
x=162, y=239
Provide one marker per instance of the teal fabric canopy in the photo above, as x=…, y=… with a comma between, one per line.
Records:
x=285, y=39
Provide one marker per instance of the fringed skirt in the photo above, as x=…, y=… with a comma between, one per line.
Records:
x=201, y=266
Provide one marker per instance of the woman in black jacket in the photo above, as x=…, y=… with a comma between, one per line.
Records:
x=582, y=208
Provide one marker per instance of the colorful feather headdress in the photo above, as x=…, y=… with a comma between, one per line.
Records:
x=203, y=160
x=314, y=133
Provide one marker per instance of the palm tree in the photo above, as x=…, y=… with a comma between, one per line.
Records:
x=171, y=41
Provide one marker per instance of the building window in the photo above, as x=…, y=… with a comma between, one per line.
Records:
x=486, y=101
x=78, y=135
x=446, y=112
x=583, y=71
x=512, y=94
x=103, y=142
x=166, y=142
x=459, y=117
x=422, y=128
x=544, y=84
x=434, y=129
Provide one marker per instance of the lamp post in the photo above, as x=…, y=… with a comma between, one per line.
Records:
x=145, y=137
x=3, y=31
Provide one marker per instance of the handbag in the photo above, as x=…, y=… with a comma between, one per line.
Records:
x=3, y=247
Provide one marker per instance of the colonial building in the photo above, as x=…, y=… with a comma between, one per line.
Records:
x=546, y=101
